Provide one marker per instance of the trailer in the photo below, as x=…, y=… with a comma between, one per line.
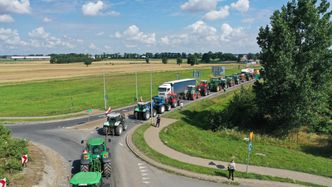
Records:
x=169, y=94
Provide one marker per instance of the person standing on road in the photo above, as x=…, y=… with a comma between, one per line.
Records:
x=231, y=169
x=158, y=121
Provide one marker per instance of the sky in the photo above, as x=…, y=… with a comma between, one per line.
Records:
x=133, y=26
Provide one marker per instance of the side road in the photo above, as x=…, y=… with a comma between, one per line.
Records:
x=152, y=138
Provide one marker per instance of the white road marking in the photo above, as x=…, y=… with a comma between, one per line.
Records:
x=140, y=164
x=146, y=182
x=145, y=178
x=143, y=170
x=121, y=144
x=144, y=174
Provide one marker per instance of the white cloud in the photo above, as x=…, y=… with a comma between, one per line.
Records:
x=214, y=14
x=92, y=46
x=93, y=9
x=47, y=19
x=100, y=33
x=114, y=13
x=199, y=5
x=241, y=5
x=174, y=39
x=15, y=6
x=200, y=31
x=228, y=32
x=107, y=47
x=5, y=18
x=10, y=38
x=133, y=33
x=40, y=38
x=248, y=20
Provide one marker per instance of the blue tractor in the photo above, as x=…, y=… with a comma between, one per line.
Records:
x=161, y=105
x=144, y=111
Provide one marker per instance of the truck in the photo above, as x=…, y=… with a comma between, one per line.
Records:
x=172, y=92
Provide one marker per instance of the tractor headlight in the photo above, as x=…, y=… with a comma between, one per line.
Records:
x=105, y=155
x=86, y=157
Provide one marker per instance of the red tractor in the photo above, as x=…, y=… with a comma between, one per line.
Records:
x=204, y=88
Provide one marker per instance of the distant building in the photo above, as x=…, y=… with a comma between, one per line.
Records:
x=30, y=57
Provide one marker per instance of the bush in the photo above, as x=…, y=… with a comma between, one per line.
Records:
x=164, y=60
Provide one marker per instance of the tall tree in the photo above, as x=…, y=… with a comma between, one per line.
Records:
x=164, y=60
x=206, y=58
x=296, y=55
x=179, y=61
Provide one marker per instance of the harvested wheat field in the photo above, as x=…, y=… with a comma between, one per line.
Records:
x=20, y=72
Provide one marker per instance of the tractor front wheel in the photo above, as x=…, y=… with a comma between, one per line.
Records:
x=161, y=109
x=107, y=169
x=136, y=115
x=154, y=113
x=118, y=130
x=84, y=168
x=217, y=88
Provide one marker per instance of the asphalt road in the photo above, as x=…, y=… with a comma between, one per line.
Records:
x=128, y=170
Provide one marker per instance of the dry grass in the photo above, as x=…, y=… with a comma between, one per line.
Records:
x=33, y=71
x=32, y=174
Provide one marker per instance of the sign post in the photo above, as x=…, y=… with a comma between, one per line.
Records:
x=196, y=74
x=250, y=147
x=218, y=70
x=3, y=182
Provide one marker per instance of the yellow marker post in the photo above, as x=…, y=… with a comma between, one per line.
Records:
x=251, y=136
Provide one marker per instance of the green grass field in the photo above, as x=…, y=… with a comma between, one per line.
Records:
x=189, y=136
x=138, y=140
x=55, y=97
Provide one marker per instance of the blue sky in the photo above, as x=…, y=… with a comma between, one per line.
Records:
x=96, y=26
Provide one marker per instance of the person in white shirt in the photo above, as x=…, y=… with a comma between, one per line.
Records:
x=231, y=169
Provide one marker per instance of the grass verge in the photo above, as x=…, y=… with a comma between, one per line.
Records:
x=229, y=144
x=138, y=140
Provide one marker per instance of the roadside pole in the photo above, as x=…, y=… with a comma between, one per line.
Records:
x=251, y=137
x=151, y=114
x=136, y=87
x=105, y=96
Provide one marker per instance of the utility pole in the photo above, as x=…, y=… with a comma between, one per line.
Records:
x=151, y=96
x=105, y=96
x=136, y=88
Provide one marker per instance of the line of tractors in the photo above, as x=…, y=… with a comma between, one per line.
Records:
x=96, y=157
x=171, y=94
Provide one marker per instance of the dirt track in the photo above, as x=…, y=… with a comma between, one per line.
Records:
x=20, y=72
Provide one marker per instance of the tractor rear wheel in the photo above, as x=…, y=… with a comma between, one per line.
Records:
x=107, y=169
x=146, y=115
x=168, y=107
x=118, y=130
x=105, y=130
x=84, y=168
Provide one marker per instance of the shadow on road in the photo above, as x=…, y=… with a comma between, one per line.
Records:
x=75, y=166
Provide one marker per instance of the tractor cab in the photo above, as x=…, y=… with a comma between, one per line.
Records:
x=87, y=179
x=96, y=146
x=143, y=106
x=113, y=118
x=144, y=111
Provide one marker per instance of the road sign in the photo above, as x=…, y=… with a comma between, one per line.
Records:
x=250, y=146
x=218, y=70
x=196, y=74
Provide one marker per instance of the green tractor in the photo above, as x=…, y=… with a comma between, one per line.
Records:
x=236, y=78
x=96, y=157
x=217, y=83
x=87, y=179
x=143, y=111
x=115, y=124
x=192, y=93
x=229, y=81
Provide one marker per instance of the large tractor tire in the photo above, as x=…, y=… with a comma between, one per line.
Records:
x=107, y=169
x=84, y=168
x=105, y=130
x=146, y=115
x=154, y=113
x=168, y=107
x=161, y=109
x=118, y=130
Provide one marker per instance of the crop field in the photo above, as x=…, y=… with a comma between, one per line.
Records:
x=61, y=96
x=41, y=70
